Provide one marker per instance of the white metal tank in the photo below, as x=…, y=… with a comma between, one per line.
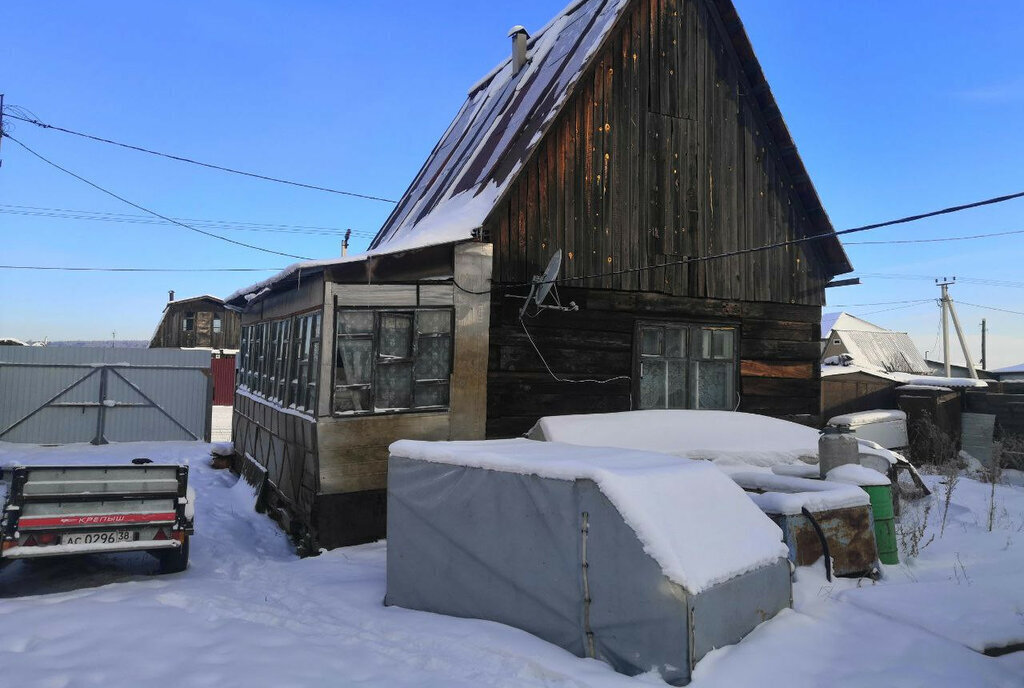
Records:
x=837, y=446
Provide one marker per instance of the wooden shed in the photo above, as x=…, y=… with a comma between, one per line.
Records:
x=196, y=322
x=639, y=138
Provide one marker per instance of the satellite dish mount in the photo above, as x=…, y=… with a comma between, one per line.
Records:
x=542, y=286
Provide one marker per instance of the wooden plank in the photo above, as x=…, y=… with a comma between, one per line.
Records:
x=752, y=368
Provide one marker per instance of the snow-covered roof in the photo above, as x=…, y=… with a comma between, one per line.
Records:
x=507, y=113
x=845, y=321
x=11, y=341
x=935, y=381
x=891, y=352
x=1019, y=368
x=502, y=120
x=669, y=503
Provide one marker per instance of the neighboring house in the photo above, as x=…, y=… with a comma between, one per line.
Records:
x=862, y=364
x=628, y=135
x=1010, y=373
x=197, y=322
x=871, y=347
x=955, y=370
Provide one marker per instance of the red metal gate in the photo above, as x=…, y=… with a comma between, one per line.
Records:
x=223, y=380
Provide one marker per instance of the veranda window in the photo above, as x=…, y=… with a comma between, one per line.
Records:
x=685, y=366
x=392, y=360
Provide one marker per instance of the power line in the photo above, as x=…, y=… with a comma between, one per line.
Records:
x=152, y=212
x=100, y=216
x=989, y=308
x=781, y=244
x=899, y=308
x=92, y=269
x=314, y=187
x=876, y=303
x=981, y=281
x=933, y=241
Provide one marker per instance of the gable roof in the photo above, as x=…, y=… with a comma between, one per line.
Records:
x=845, y=321
x=507, y=114
x=204, y=297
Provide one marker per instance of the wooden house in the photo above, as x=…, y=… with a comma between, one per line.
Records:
x=640, y=139
x=197, y=322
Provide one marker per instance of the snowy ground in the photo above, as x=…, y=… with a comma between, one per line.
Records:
x=249, y=613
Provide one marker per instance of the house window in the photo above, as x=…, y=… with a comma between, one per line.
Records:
x=280, y=361
x=685, y=366
x=216, y=324
x=189, y=323
x=837, y=341
x=305, y=363
x=392, y=360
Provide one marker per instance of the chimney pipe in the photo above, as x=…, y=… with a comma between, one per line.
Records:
x=519, y=38
x=170, y=295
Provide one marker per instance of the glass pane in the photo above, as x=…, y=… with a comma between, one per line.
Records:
x=650, y=341
x=705, y=343
x=395, y=335
x=428, y=322
x=714, y=386
x=675, y=342
x=431, y=394
x=676, y=384
x=723, y=344
x=433, y=358
x=652, y=384
x=355, y=322
x=354, y=361
x=393, y=386
x=352, y=400
x=315, y=329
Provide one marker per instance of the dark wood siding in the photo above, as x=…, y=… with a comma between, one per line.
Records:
x=661, y=154
x=778, y=351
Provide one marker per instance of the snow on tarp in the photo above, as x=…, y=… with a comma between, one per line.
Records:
x=935, y=381
x=855, y=474
x=783, y=494
x=864, y=417
x=692, y=520
x=725, y=437
x=923, y=388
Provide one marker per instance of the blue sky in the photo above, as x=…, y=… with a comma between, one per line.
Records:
x=896, y=108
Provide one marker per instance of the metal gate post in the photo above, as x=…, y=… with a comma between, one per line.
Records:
x=101, y=409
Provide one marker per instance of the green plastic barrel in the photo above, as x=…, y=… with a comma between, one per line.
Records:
x=885, y=525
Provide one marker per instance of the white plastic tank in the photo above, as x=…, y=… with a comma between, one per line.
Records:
x=836, y=446
x=886, y=427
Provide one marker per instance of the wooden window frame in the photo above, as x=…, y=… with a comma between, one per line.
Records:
x=373, y=337
x=691, y=327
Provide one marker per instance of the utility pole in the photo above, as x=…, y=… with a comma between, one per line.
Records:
x=344, y=244
x=949, y=310
x=945, y=323
x=983, y=344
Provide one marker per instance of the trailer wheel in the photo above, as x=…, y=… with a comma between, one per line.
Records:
x=174, y=560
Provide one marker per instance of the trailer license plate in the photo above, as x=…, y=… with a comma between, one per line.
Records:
x=104, y=538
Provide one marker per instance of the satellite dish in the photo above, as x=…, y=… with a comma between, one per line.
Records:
x=541, y=287
x=545, y=281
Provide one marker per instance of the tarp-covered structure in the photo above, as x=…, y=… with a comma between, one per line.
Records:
x=638, y=559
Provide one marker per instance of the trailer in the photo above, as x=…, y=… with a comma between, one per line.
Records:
x=51, y=511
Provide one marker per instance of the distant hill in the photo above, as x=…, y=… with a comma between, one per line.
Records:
x=104, y=343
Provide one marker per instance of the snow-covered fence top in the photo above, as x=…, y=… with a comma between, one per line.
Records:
x=695, y=522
